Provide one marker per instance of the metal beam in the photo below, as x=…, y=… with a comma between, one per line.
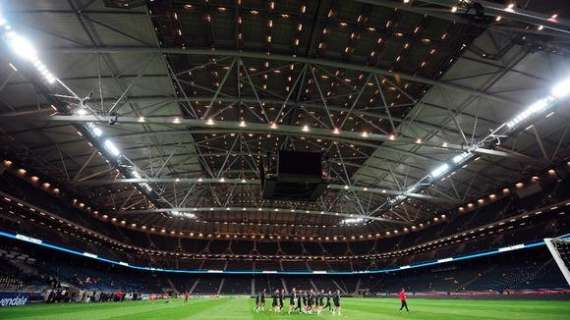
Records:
x=279, y=57
x=224, y=181
x=490, y=9
x=78, y=174
x=232, y=126
x=268, y=209
x=515, y=14
x=153, y=100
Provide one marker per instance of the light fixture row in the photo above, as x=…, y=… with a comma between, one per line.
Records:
x=23, y=49
x=504, y=192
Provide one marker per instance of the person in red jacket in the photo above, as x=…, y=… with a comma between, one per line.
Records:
x=403, y=300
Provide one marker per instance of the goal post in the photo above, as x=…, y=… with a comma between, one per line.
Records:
x=560, y=250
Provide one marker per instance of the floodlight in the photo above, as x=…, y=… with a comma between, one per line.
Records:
x=353, y=220
x=439, y=171
x=112, y=148
x=81, y=111
x=537, y=107
x=461, y=157
x=562, y=89
x=97, y=131
x=43, y=70
x=21, y=46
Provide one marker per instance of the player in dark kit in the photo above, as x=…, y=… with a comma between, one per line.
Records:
x=328, y=305
x=311, y=301
x=262, y=299
x=274, y=303
x=299, y=306
x=258, y=302
x=292, y=301
x=280, y=297
x=320, y=301
x=336, y=302
x=402, y=295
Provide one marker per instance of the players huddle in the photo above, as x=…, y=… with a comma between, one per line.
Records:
x=301, y=301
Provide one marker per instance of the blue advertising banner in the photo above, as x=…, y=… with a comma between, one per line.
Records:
x=11, y=299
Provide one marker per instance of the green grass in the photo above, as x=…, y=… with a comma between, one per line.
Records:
x=353, y=309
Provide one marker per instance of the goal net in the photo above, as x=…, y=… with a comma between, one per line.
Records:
x=560, y=250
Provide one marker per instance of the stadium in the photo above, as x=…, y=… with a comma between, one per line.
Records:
x=286, y=159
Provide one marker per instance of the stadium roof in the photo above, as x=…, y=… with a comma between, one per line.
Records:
x=163, y=109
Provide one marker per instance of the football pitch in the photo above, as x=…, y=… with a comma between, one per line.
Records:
x=353, y=308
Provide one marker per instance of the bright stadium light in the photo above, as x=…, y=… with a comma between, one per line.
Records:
x=559, y=92
x=97, y=131
x=353, y=220
x=461, y=157
x=90, y=255
x=24, y=49
x=183, y=214
x=562, y=89
x=43, y=70
x=535, y=108
x=439, y=171
x=112, y=148
x=21, y=46
x=539, y=106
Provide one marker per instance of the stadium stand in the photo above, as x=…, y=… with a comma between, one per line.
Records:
x=509, y=274
x=551, y=223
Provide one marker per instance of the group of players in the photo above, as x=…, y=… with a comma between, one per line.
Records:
x=301, y=301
